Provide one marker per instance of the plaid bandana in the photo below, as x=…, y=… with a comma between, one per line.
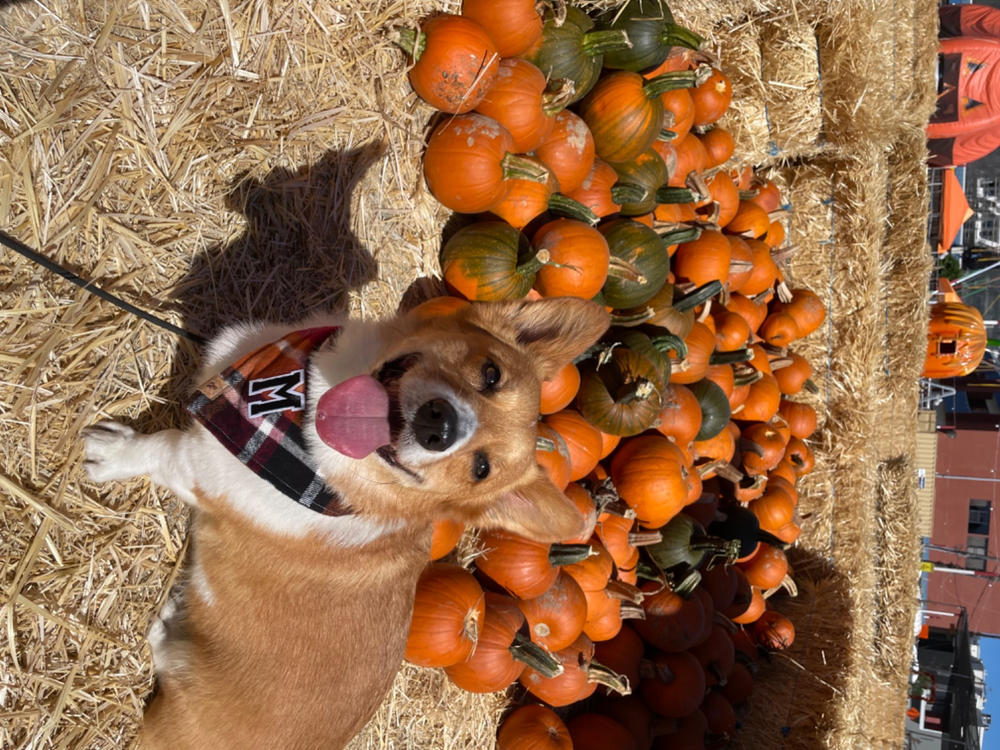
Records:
x=255, y=409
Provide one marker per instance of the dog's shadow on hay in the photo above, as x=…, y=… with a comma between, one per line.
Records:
x=297, y=257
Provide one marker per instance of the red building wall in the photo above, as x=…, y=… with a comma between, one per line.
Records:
x=968, y=469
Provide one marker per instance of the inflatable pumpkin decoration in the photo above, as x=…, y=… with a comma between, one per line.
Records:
x=956, y=340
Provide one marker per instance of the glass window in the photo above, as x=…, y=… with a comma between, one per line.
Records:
x=979, y=517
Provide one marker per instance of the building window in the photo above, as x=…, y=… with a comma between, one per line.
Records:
x=986, y=187
x=979, y=517
x=987, y=231
x=975, y=552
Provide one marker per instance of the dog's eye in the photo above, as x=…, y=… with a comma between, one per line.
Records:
x=480, y=466
x=491, y=375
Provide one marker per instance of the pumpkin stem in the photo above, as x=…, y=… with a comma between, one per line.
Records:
x=530, y=267
x=784, y=293
x=697, y=296
x=622, y=269
x=536, y=657
x=669, y=342
x=627, y=192
x=644, y=538
x=678, y=79
x=674, y=195
x=719, y=467
x=599, y=41
x=563, y=205
x=810, y=386
x=622, y=591
x=631, y=611
x=682, y=234
x=567, y=554
x=602, y=675
x=675, y=35
x=557, y=96
x=749, y=376
x=639, y=389
x=522, y=168
x=787, y=584
x=666, y=134
x=728, y=358
x=411, y=41
x=632, y=319
x=544, y=444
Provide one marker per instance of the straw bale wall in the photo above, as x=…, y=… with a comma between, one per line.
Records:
x=261, y=159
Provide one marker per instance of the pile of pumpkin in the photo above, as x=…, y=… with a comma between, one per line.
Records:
x=586, y=152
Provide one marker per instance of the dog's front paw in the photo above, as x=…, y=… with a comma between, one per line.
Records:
x=111, y=451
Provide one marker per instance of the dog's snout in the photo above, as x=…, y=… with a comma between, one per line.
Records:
x=435, y=425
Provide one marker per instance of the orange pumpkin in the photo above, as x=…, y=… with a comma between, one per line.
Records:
x=568, y=151
x=514, y=25
x=719, y=146
x=579, y=679
x=595, y=190
x=556, y=617
x=533, y=727
x=704, y=259
x=582, y=439
x=444, y=537
x=559, y=391
x=773, y=630
x=712, y=98
x=447, y=616
x=650, y=477
x=468, y=160
x=680, y=418
x=519, y=102
x=523, y=567
x=801, y=418
x=456, y=65
x=552, y=455
x=767, y=568
x=578, y=259
x=679, y=685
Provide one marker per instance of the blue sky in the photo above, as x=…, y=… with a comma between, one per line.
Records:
x=990, y=654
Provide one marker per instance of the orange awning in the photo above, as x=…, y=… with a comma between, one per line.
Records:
x=954, y=210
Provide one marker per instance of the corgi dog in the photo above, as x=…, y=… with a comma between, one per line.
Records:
x=318, y=458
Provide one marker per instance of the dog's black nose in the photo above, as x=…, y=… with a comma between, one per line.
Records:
x=434, y=425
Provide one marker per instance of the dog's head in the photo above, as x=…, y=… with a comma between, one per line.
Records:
x=463, y=394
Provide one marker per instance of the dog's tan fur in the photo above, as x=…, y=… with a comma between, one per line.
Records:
x=293, y=624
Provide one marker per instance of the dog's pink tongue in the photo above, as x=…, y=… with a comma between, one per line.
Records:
x=353, y=417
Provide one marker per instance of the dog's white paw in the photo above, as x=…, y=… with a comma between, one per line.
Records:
x=112, y=451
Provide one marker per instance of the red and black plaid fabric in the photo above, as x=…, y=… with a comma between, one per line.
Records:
x=255, y=409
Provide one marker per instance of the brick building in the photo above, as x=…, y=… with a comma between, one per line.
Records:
x=965, y=542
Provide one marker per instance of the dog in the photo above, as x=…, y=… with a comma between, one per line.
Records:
x=319, y=456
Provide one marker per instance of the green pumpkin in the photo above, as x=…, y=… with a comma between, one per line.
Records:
x=650, y=27
x=715, y=409
x=646, y=171
x=574, y=50
x=489, y=261
x=639, y=263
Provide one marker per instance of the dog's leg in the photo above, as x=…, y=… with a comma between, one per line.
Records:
x=116, y=451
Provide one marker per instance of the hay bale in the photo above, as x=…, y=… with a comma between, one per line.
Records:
x=746, y=119
x=857, y=42
x=791, y=85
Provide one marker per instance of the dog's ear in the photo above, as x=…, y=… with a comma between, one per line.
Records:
x=535, y=509
x=553, y=331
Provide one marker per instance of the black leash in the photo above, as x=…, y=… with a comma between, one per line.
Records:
x=19, y=247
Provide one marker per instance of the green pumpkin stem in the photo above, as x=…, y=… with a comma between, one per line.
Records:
x=626, y=192
x=563, y=205
x=522, y=168
x=666, y=135
x=631, y=611
x=683, y=234
x=567, y=554
x=632, y=319
x=531, y=266
x=599, y=41
x=675, y=35
x=678, y=79
x=733, y=357
x=697, y=296
x=810, y=386
x=544, y=444
x=536, y=657
x=624, y=592
x=411, y=41
x=668, y=342
x=675, y=195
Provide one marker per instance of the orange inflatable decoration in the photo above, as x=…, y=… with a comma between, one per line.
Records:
x=956, y=337
x=966, y=124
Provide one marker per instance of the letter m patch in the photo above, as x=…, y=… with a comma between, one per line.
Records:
x=276, y=394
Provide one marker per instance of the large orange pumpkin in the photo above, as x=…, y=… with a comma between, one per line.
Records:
x=447, y=616
x=956, y=340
